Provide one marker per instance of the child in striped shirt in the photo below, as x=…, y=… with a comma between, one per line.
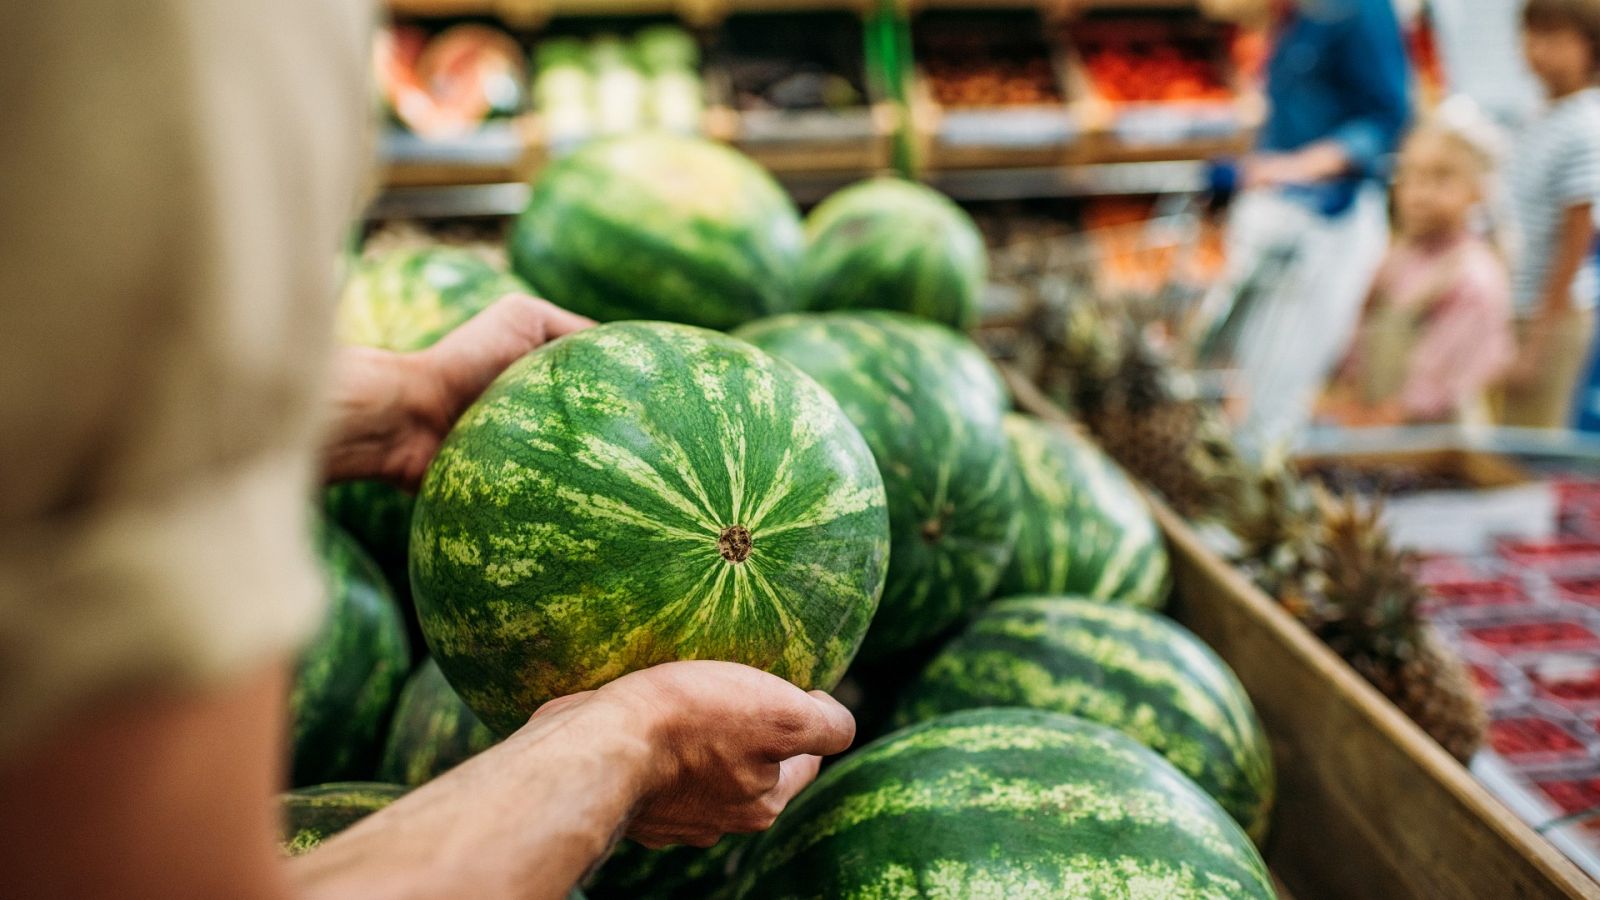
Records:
x=1555, y=181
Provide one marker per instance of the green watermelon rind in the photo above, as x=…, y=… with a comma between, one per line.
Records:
x=658, y=226
x=1085, y=527
x=570, y=528
x=350, y=675
x=408, y=299
x=1004, y=803
x=313, y=814
x=1122, y=667
x=930, y=405
x=673, y=873
x=432, y=732
x=892, y=244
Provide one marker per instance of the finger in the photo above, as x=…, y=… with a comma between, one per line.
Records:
x=473, y=355
x=559, y=322
x=793, y=776
x=816, y=725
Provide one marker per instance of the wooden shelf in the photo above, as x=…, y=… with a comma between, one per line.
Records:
x=535, y=11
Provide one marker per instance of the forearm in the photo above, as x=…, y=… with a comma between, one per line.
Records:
x=526, y=819
x=1323, y=161
x=1572, y=248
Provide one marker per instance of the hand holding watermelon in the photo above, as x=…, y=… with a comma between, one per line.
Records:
x=393, y=409
x=729, y=745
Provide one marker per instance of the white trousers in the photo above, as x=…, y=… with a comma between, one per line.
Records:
x=1298, y=330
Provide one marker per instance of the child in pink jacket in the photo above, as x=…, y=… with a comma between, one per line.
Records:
x=1436, y=332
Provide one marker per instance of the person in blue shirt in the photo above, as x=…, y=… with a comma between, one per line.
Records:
x=1338, y=92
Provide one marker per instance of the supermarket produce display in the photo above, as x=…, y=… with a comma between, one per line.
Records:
x=1085, y=528
x=432, y=732
x=313, y=814
x=894, y=244
x=639, y=493
x=349, y=676
x=929, y=404
x=660, y=227
x=1128, y=669
x=1004, y=803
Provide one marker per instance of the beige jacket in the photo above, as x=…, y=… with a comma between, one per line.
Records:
x=176, y=179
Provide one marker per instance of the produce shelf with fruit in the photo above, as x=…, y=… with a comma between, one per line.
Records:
x=794, y=93
x=1001, y=91
x=1157, y=80
x=1358, y=779
x=991, y=91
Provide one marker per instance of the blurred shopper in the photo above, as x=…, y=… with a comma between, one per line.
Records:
x=176, y=179
x=1555, y=181
x=1436, y=330
x=1338, y=94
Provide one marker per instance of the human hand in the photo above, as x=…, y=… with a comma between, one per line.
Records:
x=1308, y=165
x=1533, y=353
x=729, y=745
x=394, y=409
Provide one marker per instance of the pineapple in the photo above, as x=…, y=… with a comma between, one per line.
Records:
x=1125, y=388
x=1278, y=521
x=1370, y=613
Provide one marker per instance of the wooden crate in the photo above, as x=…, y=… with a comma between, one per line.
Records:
x=1471, y=468
x=1368, y=806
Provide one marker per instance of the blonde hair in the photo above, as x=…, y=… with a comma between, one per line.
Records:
x=1462, y=124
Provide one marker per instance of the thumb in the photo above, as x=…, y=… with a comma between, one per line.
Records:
x=816, y=726
x=473, y=355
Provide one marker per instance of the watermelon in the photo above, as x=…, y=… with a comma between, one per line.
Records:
x=311, y=815
x=350, y=675
x=674, y=873
x=1086, y=529
x=1004, y=803
x=1126, y=668
x=657, y=226
x=893, y=244
x=432, y=731
x=404, y=300
x=930, y=405
x=637, y=493
x=407, y=299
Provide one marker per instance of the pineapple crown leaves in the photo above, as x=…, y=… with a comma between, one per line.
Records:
x=1372, y=602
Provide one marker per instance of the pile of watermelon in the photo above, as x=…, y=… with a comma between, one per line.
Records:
x=837, y=488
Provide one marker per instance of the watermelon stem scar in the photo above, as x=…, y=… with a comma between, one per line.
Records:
x=734, y=544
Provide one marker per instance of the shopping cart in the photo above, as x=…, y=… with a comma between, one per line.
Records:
x=1165, y=275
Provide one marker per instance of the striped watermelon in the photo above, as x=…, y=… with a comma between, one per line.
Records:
x=893, y=244
x=350, y=675
x=1004, y=803
x=405, y=299
x=674, y=873
x=1086, y=529
x=433, y=730
x=930, y=405
x=311, y=815
x=655, y=226
x=643, y=492
x=1129, y=669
